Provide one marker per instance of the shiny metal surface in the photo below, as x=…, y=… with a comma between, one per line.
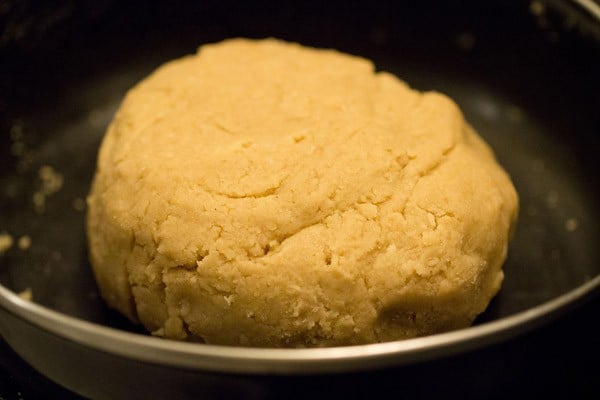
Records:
x=278, y=361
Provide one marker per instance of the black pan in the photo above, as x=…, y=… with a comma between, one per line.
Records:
x=525, y=74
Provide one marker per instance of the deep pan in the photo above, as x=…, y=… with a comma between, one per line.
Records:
x=531, y=92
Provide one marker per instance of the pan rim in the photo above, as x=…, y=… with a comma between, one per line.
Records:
x=247, y=360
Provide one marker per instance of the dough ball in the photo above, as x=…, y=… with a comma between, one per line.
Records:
x=262, y=193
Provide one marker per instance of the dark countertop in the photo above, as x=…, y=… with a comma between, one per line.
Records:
x=560, y=359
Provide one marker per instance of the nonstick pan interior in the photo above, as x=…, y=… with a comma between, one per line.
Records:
x=531, y=93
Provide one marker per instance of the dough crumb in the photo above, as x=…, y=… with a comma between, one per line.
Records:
x=26, y=294
x=571, y=224
x=537, y=8
x=6, y=242
x=24, y=242
x=552, y=199
x=51, y=182
x=18, y=148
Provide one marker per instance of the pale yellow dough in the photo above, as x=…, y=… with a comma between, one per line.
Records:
x=263, y=193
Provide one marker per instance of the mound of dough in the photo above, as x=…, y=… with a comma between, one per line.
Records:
x=262, y=193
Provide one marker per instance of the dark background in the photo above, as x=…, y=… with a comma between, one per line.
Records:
x=542, y=63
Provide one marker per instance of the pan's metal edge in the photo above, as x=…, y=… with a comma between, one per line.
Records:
x=590, y=6
x=286, y=361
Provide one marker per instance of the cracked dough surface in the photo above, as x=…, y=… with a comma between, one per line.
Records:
x=263, y=193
